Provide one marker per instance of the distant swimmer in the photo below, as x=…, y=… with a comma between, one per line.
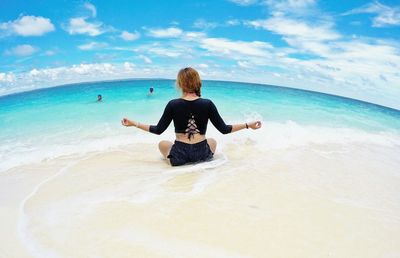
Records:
x=190, y=114
x=151, y=91
x=99, y=98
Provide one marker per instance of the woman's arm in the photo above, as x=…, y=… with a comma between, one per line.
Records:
x=253, y=125
x=217, y=120
x=219, y=123
x=162, y=125
x=126, y=122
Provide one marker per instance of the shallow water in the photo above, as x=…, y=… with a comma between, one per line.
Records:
x=319, y=179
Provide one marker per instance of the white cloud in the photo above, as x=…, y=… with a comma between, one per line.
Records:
x=204, y=25
x=92, y=45
x=354, y=68
x=296, y=28
x=81, y=26
x=145, y=59
x=7, y=77
x=233, y=22
x=244, y=64
x=128, y=66
x=318, y=58
x=222, y=46
x=190, y=36
x=386, y=16
x=125, y=35
x=34, y=72
x=203, y=65
x=166, y=52
x=289, y=5
x=286, y=6
x=22, y=50
x=50, y=53
x=300, y=45
x=91, y=8
x=28, y=26
x=42, y=78
x=92, y=69
x=172, y=32
x=347, y=65
x=304, y=9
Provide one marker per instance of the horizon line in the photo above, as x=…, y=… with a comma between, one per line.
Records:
x=215, y=80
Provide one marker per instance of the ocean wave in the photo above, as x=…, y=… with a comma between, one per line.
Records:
x=272, y=136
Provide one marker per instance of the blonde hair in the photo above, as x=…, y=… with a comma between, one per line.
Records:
x=189, y=81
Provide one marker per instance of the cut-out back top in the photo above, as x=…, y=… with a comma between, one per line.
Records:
x=190, y=117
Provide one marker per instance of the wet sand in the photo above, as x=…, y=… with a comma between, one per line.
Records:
x=314, y=201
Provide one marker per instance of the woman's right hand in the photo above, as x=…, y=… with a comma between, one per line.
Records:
x=255, y=125
x=127, y=122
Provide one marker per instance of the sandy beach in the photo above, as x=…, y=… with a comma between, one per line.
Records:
x=319, y=201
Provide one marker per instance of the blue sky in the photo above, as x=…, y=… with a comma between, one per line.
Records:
x=348, y=48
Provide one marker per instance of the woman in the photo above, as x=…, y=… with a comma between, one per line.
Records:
x=190, y=114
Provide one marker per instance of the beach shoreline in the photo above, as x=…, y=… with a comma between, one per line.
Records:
x=296, y=202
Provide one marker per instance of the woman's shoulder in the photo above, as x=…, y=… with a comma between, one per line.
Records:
x=205, y=101
x=180, y=101
x=175, y=102
x=183, y=100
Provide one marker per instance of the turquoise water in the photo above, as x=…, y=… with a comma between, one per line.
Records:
x=56, y=121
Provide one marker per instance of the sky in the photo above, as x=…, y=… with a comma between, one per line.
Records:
x=344, y=47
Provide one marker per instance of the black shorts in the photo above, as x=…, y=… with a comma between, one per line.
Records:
x=182, y=153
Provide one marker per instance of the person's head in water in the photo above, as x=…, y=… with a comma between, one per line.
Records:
x=189, y=81
x=99, y=97
x=151, y=90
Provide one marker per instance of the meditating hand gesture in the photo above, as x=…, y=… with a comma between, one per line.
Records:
x=127, y=122
x=254, y=125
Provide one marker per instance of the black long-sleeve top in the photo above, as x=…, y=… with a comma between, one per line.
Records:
x=191, y=117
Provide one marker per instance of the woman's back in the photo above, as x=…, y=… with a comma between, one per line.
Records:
x=190, y=118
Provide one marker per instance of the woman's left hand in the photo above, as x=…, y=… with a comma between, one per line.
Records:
x=255, y=125
x=127, y=122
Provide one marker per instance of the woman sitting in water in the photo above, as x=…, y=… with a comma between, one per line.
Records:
x=190, y=114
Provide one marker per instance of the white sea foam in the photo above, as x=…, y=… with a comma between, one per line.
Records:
x=275, y=136
x=272, y=135
x=32, y=151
